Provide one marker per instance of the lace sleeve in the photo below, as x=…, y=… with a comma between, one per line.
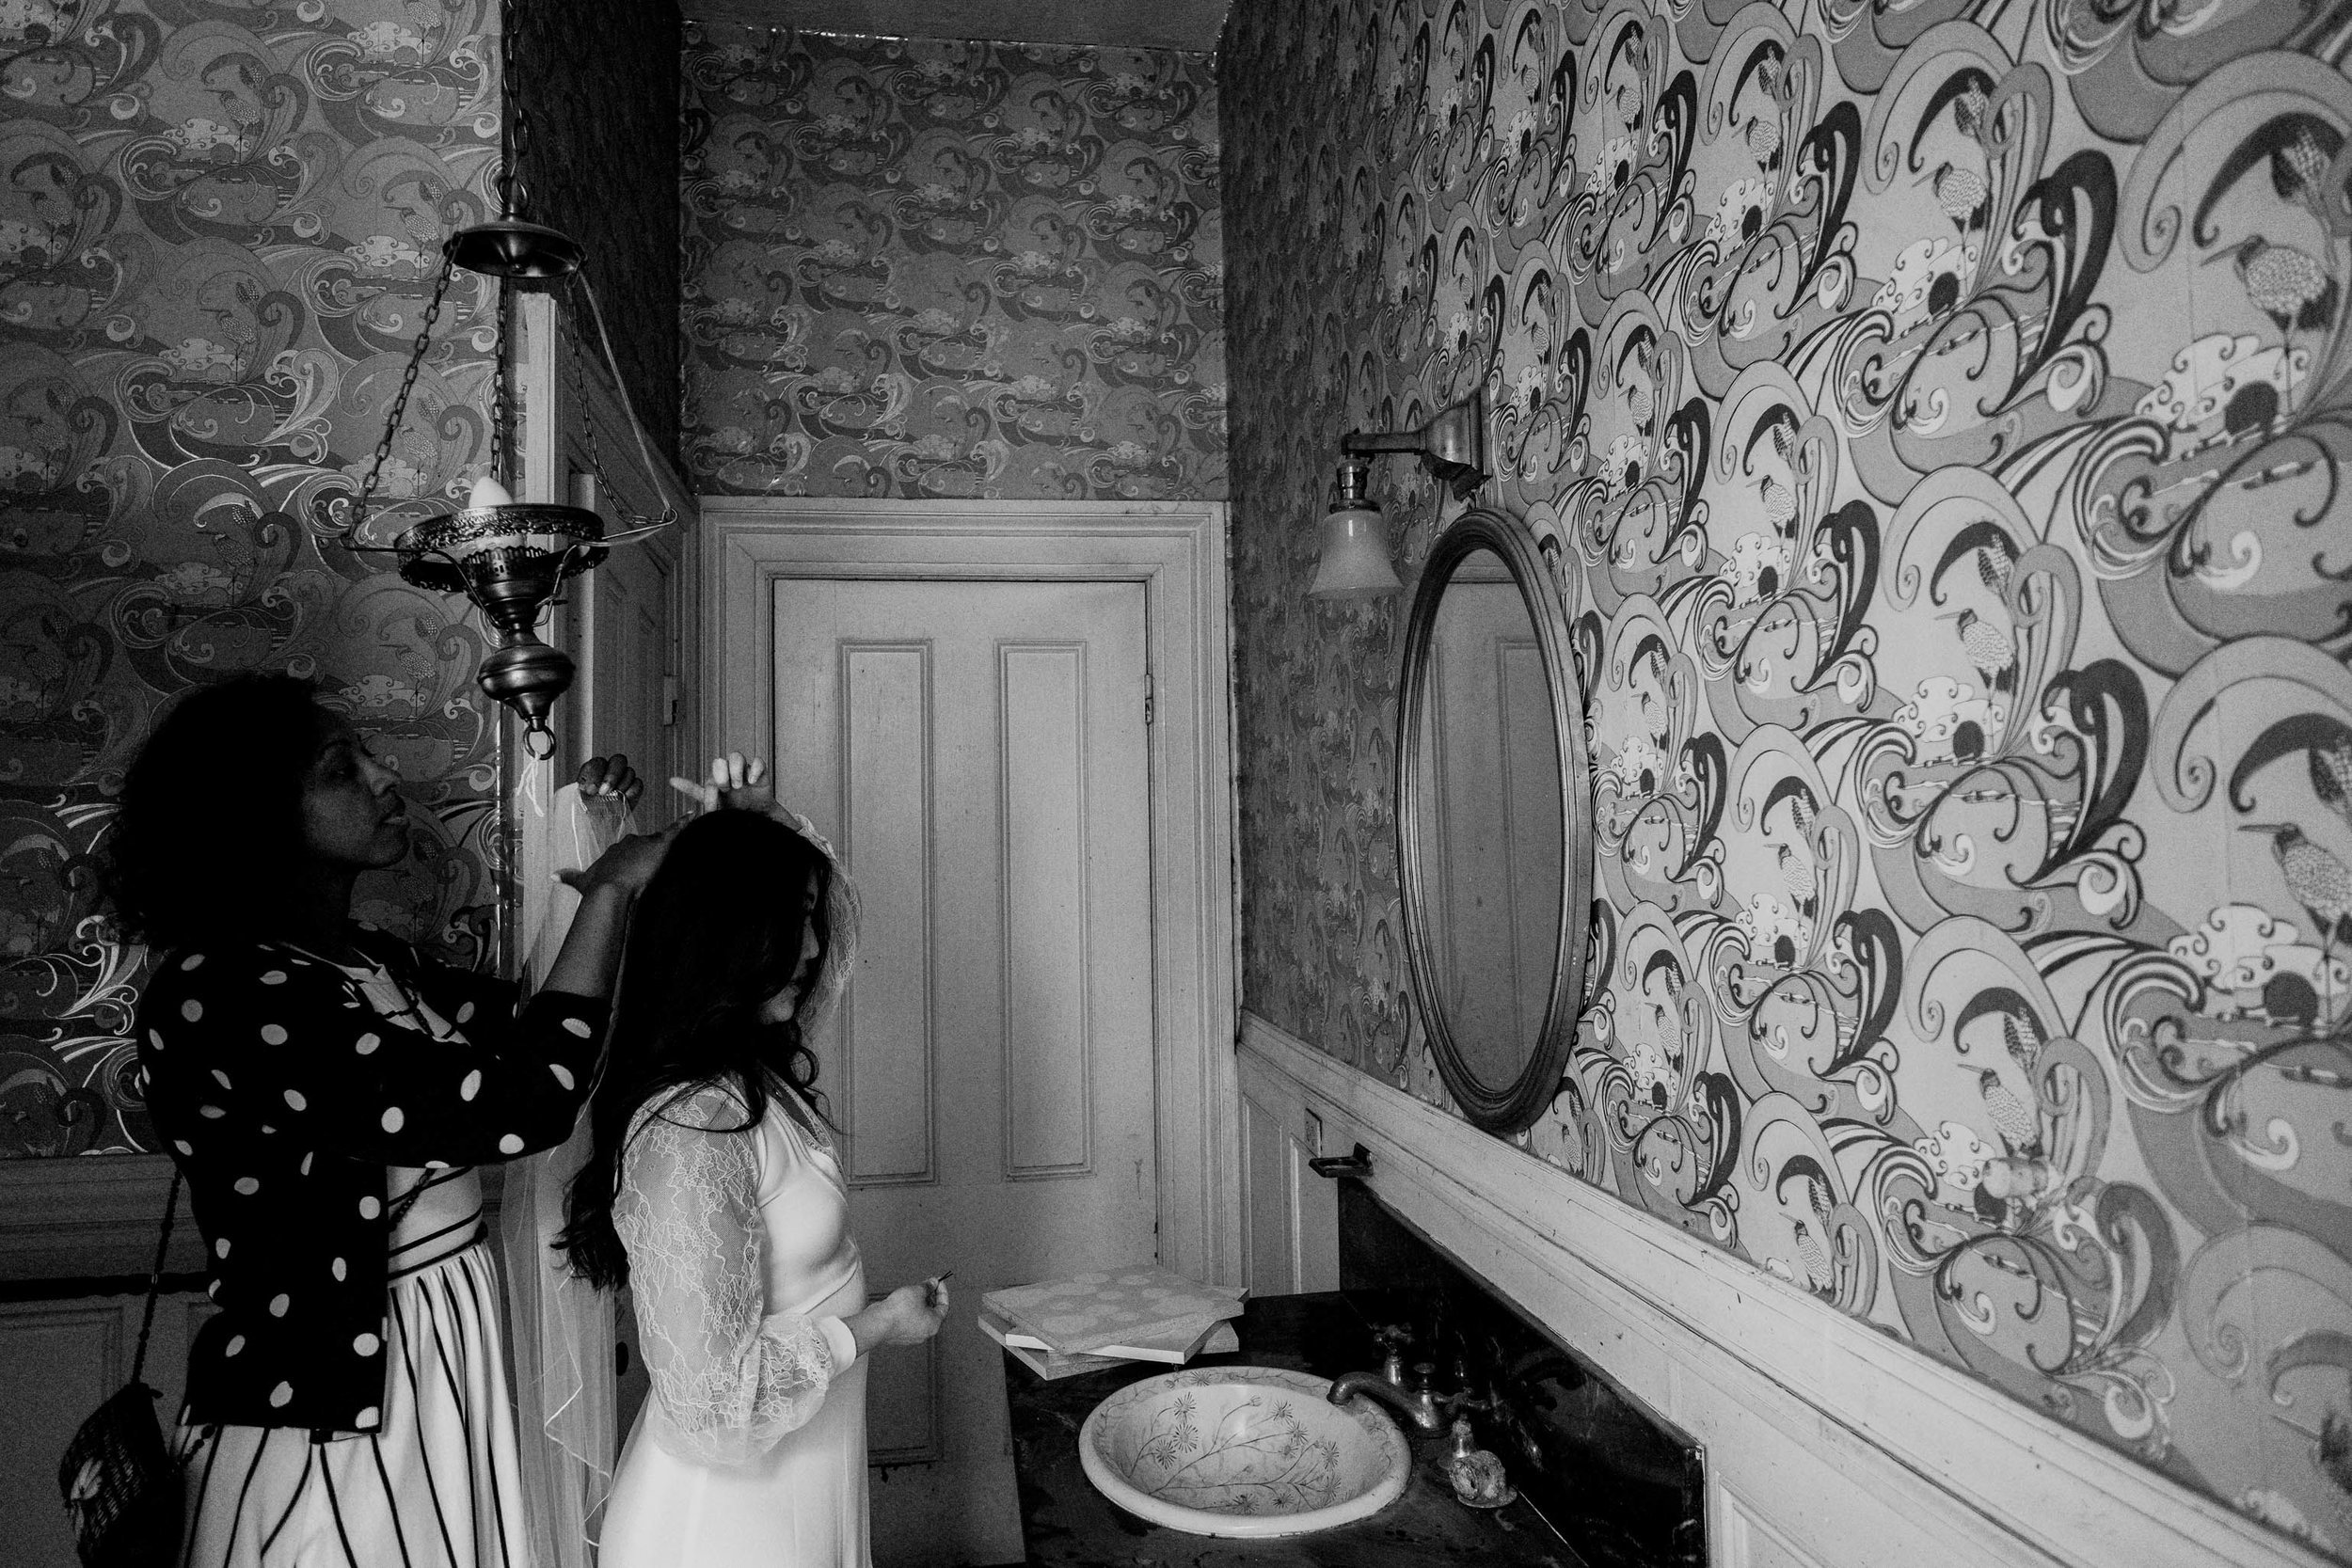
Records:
x=728, y=1378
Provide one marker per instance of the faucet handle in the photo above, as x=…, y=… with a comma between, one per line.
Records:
x=1391, y=1336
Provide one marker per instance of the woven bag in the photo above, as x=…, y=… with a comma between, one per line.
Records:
x=121, y=1485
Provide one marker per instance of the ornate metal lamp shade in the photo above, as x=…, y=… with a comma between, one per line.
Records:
x=509, y=558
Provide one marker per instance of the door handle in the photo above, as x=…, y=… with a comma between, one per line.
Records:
x=1331, y=1168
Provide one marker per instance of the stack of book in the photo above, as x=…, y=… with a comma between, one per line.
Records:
x=1063, y=1327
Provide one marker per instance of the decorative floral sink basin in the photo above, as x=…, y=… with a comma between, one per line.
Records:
x=1242, y=1450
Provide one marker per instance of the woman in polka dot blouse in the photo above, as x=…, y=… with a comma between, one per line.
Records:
x=327, y=1093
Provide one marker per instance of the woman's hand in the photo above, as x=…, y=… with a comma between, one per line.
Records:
x=735, y=785
x=907, y=1316
x=590, y=954
x=626, y=868
x=611, y=776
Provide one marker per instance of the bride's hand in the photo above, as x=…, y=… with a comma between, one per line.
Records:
x=907, y=1316
x=735, y=785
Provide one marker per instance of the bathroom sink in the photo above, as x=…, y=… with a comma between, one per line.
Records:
x=1242, y=1450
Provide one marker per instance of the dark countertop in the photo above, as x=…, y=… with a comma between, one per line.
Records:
x=1066, y=1523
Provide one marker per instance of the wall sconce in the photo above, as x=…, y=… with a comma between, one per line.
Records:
x=508, y=557
x=1453, y=445
x=1354, y=563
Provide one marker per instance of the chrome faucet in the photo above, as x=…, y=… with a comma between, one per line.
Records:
x=1420, y=1406
x=1388, y=1386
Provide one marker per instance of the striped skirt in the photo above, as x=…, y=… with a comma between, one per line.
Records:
x=437, y=1487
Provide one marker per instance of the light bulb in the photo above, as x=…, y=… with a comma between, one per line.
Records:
x=488, y=492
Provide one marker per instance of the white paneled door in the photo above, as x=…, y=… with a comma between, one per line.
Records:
x=978, y=751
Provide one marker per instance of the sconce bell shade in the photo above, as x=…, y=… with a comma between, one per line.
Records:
x=509, y=247
x=1355, y=563
x=1453, y=445
x=509, y=559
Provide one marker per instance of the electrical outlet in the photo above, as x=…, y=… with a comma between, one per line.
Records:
x=1314, y=1137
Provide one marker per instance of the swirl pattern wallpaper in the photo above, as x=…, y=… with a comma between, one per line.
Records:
x=1942, y=411
x=220, y=227
x=920, y=269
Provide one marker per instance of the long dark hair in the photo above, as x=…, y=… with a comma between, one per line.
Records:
x=717, y=933
x=209, y=840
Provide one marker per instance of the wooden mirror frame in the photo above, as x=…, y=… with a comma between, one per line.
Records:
x=1514, y=1107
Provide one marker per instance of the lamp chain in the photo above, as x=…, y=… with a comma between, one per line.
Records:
x=514, y=195
x=502, y=453
x=400, y=400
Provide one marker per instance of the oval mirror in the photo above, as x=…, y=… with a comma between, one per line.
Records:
x=1493, y=821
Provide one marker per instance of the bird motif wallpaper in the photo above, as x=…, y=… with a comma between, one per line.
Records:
x=219, y=226
x=1942, y=413
x=918, y=268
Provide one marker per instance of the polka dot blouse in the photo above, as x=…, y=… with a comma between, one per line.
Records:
x=283, y=1095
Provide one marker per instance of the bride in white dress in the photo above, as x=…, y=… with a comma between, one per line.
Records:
x=714, y=1190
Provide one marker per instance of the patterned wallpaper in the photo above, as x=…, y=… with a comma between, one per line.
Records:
x=219, y=224
x=601, y=99
x=950, y=269
x=1943, y=408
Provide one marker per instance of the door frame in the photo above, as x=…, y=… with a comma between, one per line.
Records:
x=552, y=437
x=552, y=430
x=1176, y=552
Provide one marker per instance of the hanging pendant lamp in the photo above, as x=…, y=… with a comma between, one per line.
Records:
x=510, y=558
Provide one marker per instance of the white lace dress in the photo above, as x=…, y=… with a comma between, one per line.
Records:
x=751, y=1452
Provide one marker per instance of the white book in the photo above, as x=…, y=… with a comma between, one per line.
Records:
x=1043, y=1359
x=1174, y=1348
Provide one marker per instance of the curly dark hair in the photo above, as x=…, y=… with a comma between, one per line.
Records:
x=209, y=840
x=714, y=936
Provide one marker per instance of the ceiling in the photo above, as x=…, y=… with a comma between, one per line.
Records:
x=1133, y=24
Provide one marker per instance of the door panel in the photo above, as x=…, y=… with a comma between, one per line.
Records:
x=978, y=751
x=882, y=1051
x=1047, y=1096
x=902, y=1408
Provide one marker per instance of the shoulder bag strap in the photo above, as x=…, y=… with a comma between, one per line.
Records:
x=155, y=1275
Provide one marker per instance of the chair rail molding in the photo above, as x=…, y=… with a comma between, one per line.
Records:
x=1176, y=550
x=1827, y=1442
x=93, y=1217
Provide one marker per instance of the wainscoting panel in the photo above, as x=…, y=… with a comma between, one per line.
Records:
x=1828, y=1445
x=1291, y=1216
x=1748, y=1542
x=58, y=1359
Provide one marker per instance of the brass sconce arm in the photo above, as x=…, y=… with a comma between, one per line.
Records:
x=1453, y=445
